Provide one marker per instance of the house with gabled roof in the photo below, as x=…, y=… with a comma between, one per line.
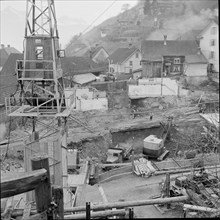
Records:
x=97, y=54
x=4, y=54
x=125, y=60
x=74, y=66
x=8, y=77
x=171, y=58
x=209, y=44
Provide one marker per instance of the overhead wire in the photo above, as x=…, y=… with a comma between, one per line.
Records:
x=83, y=32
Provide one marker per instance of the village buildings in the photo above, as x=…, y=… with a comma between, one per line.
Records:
x=169, y=58
x=209, y=44
x=8, y=77
x=5, y=52
x=125, y=60
x=97, y=54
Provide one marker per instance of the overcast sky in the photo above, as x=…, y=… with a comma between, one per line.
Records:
x=69, y=11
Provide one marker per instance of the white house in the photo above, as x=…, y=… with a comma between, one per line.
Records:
x=125, y=60
x=209, y=44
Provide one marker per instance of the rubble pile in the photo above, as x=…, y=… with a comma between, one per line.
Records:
x=203, y=189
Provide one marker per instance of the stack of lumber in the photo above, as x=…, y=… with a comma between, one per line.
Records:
x=143, y=167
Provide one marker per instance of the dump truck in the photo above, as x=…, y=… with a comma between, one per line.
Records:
x=118, y=154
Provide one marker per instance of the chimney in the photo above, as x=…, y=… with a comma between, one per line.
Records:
x=8, y=45
x=165, y=40
x=2, y=46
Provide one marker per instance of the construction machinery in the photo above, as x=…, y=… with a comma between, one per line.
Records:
x=118, y=154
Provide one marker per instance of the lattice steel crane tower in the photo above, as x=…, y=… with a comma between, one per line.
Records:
x=40, y=74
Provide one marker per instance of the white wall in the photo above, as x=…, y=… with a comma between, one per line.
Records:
x=196, y=69
x=206, y=47
x=92, y=104
x=83, y=93
x=152, y=88
x=87, y=100
x=125, y=66
x=69, y=96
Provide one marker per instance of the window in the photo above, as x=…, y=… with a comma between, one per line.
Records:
x=176, y=60
x=176, y=68
x=212, y=55
x=130, y=70
x=212, y=42
x=130, y=63
x=137, y=55
x=39, y=53
x=213, y=30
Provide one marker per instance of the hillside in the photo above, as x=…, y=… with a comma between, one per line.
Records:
x=146, y=21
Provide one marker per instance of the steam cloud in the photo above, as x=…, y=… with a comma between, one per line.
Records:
x=177, y=26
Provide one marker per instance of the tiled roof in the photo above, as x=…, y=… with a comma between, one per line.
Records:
x=111, y=47
x=76, y=65
x=8, y=77
x=155, y=50
x=190, y=35
x=197, y=58
x=214, y=21
x=121, y=54
x=10, y=50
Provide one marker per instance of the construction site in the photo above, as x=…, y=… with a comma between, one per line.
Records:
x=123, y=156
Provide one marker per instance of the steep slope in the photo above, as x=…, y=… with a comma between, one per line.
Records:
x=165, y=17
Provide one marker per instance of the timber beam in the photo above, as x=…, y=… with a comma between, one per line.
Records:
x=129, y=204
x=22, y=182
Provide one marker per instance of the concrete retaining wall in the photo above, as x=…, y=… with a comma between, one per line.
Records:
x=154, y=87
x=114, y=174
x=92, y=104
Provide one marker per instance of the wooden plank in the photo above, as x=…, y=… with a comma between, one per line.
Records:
x=129, y=204
x=22, y=182
x=43, y=192
x=39, y=216
x=57, y=167
x=199, y=208
x=100, y=214
x=27, y=211
x=114, y=164
x=158, y=208
x=6, y=215
x=32, y=146
x=195, y=197
x=163, y=155
x=57, y=193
